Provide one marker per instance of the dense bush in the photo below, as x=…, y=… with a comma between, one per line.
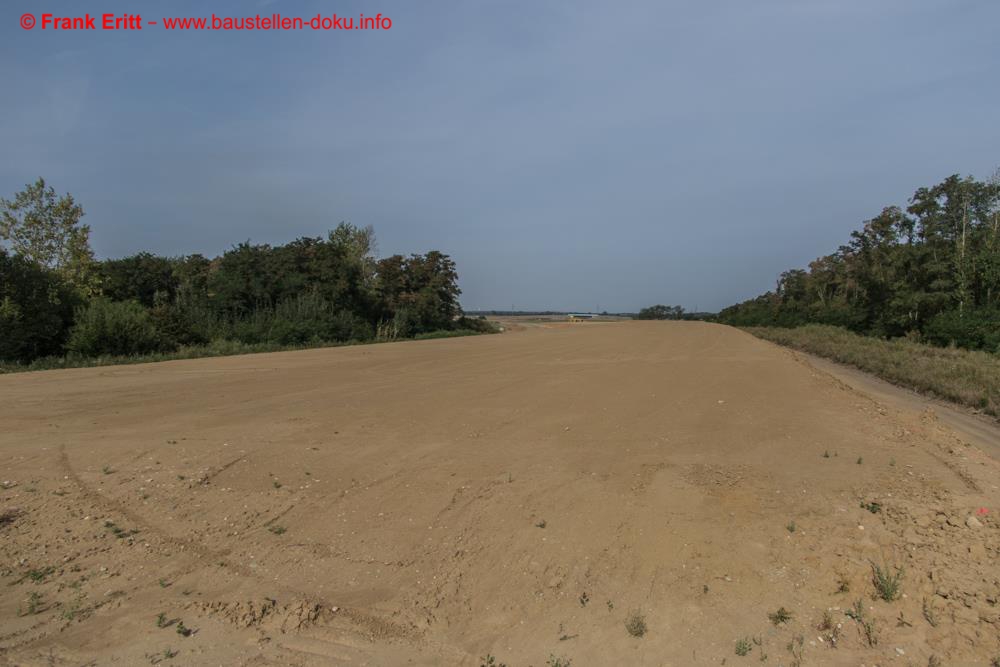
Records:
x=976, y=330
x=36, y=309
x=118, y=328
x=298, y=320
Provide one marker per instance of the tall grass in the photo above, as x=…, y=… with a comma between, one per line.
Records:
x=966, y=377
x=217, y=348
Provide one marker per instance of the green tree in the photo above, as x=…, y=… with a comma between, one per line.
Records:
x=141, y=277
x=46, y=229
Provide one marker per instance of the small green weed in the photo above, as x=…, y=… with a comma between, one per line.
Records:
x=887, y=585
x=780, y=616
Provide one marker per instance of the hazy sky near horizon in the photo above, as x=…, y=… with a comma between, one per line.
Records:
x=568, y=155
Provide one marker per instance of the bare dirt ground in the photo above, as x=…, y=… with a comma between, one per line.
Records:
x=520, y=495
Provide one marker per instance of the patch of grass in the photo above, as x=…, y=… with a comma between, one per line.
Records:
x=797, y=647
x=490, y=661
x=277, y=530
x=541, y=524
x=966, y=377
x=118, y=531
x=826, y=454
x=887, y=584
x=183, y=630
x=931, y=617
x=780, y=616
x=69, y=614
x=790, y=527
x=860, y=460
x=276, y=484
x=866, y=624
x=560, y=661
x=636, y=624
x=843, y=583
x=584, y=599
x=161, y=620
x=743, y=646
x=830, y=629
x=38, y=575
x=107, y=470
x=873, y=507
x=34, y=604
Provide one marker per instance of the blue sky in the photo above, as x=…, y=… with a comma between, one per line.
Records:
x=568, y=155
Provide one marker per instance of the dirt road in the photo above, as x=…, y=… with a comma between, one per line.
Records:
x=521, y=495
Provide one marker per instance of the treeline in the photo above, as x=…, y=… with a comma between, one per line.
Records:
x=660, y=312
x=930, y=272
x=56, y=299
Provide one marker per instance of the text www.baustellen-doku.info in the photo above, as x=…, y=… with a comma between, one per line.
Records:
x=47, y=21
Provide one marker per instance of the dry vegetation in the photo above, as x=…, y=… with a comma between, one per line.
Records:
x=966, y=377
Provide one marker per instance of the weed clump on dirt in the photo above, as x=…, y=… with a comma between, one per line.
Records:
x=118, y=531
x=931, y=616
x=636, y=624
x=887, y=584
x=743, y=646
x=277, y=530
x=780, y=616
x=797, y=647
x=34, y=604
x=7, y=517
x=866, y=624
x=873, y=507
x=490, y=661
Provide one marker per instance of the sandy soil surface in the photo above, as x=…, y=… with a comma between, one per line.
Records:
x=520, y=495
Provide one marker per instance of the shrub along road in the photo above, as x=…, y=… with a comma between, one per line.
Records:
x=649, y=493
